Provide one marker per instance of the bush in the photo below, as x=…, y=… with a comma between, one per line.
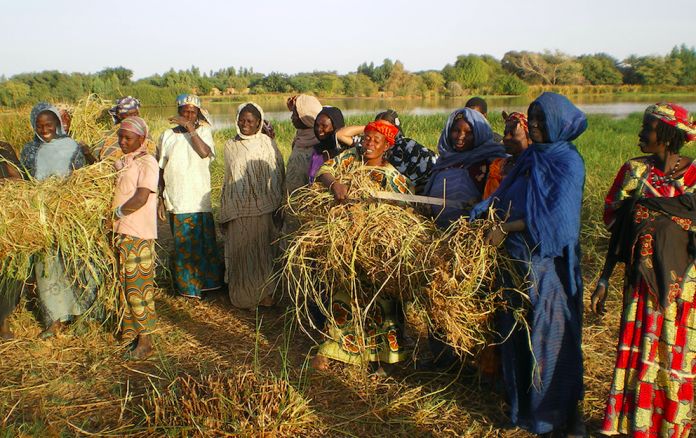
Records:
x=510, y=85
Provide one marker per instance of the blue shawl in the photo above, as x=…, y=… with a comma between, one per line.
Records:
x=484, y=146
x=556, y=176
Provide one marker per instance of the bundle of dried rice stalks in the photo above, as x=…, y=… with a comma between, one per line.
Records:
x=366, y=247
x=64, y=214
x=242, y=403
x=90, y=119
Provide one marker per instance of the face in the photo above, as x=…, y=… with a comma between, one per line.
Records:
x=462, y=136
x=514, y=139
x=296, y=121
x=47, y=126
x=65, y=119
x=374, y=145
x=248, y=123
x=134, y=113
x=324, y=126
x=647, y=138
x=537, y=125
x=129, y=141
x=189, y=112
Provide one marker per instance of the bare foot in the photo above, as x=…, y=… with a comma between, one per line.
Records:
x=145, y=347
x=384, y=370
x=5, y=332
x=319, y=363
x=52, y=330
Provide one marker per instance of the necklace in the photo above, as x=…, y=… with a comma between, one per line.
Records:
x=675, y=167
x=668, y=177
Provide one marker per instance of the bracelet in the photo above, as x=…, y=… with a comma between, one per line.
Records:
x=602, y=282
x=119, y=213
x=186, y=124
x=332, y=183
x=193, y=134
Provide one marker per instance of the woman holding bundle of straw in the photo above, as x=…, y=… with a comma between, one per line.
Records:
x=53, y=154
x=538, y=205
x=410, y=158
x=10, y=288
x=252, y=193
x=651, y=211
x=108, y=147
x=384, y=328
x=304, y=113
x=466, y=149
x=135, y=228
x=185, y=153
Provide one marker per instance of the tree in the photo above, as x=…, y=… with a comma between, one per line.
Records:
x=601, y=69
x=549, y=68
x=13, y=93
x=471, y=71
x=276, y=82
x=688, y=59
x=123, y=74
x=403, y=83
x=510, y=84
x=433, y=80
x=656, y=70
x=358, y=84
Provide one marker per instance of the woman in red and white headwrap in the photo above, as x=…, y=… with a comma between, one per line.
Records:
x=383, y=329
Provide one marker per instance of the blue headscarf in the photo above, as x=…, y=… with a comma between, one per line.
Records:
x=484, y=146
x=45, y=107
x=556, y=176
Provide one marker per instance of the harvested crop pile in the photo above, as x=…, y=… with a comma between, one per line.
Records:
x=364, y=247
x=65, y=214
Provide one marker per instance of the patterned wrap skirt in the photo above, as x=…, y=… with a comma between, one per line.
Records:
x=137, y=277
x=196, y=264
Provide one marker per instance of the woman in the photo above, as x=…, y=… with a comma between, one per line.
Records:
x=515, y=140
x=252, y=193
x=409, y=157
x=327, y=123
x=108, y=147
x=340, y=345
x=538, y=206
x=304, y=113
x=10, y=288
x=466, y=149
x=135, y=228
x=53, y=154
x=651, y=217
x=184, y=154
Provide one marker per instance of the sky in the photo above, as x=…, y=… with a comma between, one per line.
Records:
x=289, y=37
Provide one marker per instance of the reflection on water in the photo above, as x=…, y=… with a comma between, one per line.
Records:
x=615, y=105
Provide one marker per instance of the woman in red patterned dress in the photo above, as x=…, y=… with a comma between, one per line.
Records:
x=652, y=390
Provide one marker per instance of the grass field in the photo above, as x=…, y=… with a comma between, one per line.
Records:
x=221, y=371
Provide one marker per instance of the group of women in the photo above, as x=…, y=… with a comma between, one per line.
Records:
x=532, y=184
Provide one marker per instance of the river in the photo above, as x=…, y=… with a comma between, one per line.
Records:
x=615, y=105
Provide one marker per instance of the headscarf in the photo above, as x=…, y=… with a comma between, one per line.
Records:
x=261, y=121
x=674, y=115
x=329, y=143
x=308, y=107
x=192, y=99
x=555, y=173
x=520, y=119
x=388, y=131
x=138, y=126
x=484, y=145
x=40, y=108
x=392, y=117
x=123, y=105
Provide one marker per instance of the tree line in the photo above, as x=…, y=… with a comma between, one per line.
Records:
x=482, y=74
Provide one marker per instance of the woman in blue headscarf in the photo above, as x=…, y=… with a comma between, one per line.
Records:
x=466, y=149
x=538, y=205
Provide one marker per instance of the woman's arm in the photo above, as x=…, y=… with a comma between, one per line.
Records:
x=136, y=202
x=496, y=235
x=599, y=296
x=345, y=135
x=86, y=151
x=201, y=148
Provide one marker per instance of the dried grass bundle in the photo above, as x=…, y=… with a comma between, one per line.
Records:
x=242, y=403
x=90, y=119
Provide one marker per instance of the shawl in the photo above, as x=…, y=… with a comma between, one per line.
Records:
x=329, y=143
x=556, y=176
x=254, y=183
x=484, y=145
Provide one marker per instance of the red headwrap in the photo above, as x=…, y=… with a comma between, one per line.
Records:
x=520, y=119
x=388, y=131
x=674, y=115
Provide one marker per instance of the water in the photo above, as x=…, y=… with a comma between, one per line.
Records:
x=615, y=105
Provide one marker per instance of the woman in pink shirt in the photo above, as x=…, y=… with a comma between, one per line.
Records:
x=135, y=228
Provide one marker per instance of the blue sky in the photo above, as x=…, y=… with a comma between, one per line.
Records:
x=290, y=37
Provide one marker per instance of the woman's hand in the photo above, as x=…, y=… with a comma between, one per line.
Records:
x=494, y=237
x=598, y=298
x=161, y=210
x=183, y=122
x=340, y=191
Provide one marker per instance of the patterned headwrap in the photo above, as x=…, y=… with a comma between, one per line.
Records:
x=520, y=119
x=123, y=105
x=64, y=107
x=138, y=126
x=674, y=115
x=192, y=99
x=389, y=131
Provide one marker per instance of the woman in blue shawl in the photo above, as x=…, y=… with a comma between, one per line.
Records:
x=466, y=149
x=538, y=205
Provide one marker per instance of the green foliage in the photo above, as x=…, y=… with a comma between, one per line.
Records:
x=656, y=70
x=688, y=60
x=600, y=69
x=471, y=71
x=509, y=84
x=123, y=74
x=276, y=83
x=403, y=83
x=433, y=80
x=357, y=84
